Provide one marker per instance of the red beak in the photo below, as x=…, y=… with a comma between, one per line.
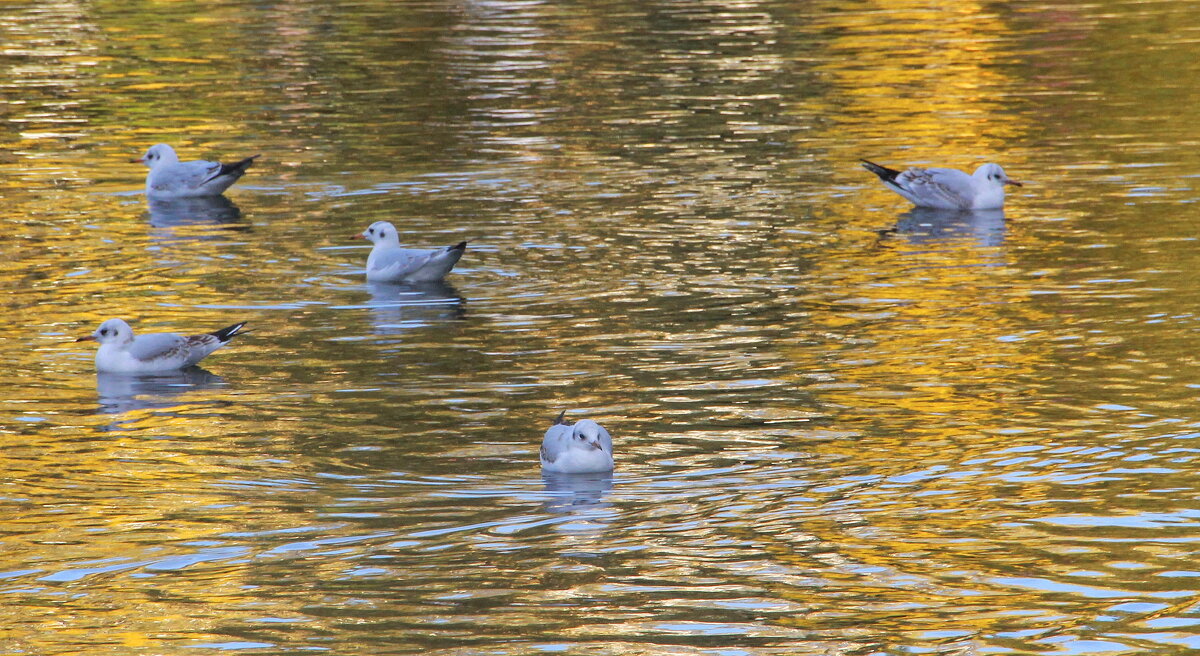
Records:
x=358, y=236
x=139, y=160
x=89, y=338
x=1013, y=182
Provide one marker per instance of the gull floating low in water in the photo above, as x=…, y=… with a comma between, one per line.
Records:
x=584, y=447
x=121, y=352
x=171, y=178
x=389, y=262
x=947, y=189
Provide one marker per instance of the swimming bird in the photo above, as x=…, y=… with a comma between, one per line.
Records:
x=389, y=262
x=171, y=178
x=121, y=352
x=576, y=449
x=947, y=189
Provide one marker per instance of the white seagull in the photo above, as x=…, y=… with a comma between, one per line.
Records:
x=582, y=448
x=171, y=178
x=388, y=262
x=121, y=352
x=947, y=189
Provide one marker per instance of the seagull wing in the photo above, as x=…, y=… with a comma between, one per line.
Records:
x=937, y=187
x=397, y=262
x=183, y=176
x=157, y=346
x=212, y=170
x=197, y=347
x=556, y=441
x=199, y=171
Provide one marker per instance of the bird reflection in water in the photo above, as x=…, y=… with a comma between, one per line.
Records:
x=125, y=392
x=578, y=493
x=396, y=307
x=922, y=225
x=180, y=212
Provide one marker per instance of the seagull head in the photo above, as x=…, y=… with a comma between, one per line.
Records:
x=114, y=331
x=158, y=154
x=380, y=232
x=589, y=433
x=994, y=174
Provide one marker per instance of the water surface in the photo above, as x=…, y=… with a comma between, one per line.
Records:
x=843, y=426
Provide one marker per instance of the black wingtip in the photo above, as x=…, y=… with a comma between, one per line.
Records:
x=228, y=333
x=560, y=419
x=239, y=167
x=460, y=246
x=884, y=173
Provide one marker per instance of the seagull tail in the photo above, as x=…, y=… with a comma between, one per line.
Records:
x=226, y=334
x=884, y=173
x=237, y=168
x=460, y=246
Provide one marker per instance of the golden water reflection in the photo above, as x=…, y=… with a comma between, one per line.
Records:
x=844, y=426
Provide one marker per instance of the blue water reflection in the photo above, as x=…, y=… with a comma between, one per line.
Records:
x=921, y=225
x=119, y=393
x=399, y=307
x=204, y=210
x=577, y=492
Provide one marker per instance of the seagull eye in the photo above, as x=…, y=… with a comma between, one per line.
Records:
x=104, y=331
x=370, y=231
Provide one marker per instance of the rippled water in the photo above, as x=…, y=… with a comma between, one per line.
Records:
x=843, y=426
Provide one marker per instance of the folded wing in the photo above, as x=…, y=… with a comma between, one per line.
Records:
x=399, y=262
x=158, y=346
x=556, y=441
x=937, y=187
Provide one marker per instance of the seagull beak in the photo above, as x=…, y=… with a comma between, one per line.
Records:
x=137, y=160
x=1013, y=182
x=87, y=338
x=358, y=236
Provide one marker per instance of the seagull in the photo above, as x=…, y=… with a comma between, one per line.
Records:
x=388, y=262
x=171, y=178
x=947, y=189
x=121, y=352
x=584, y=447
